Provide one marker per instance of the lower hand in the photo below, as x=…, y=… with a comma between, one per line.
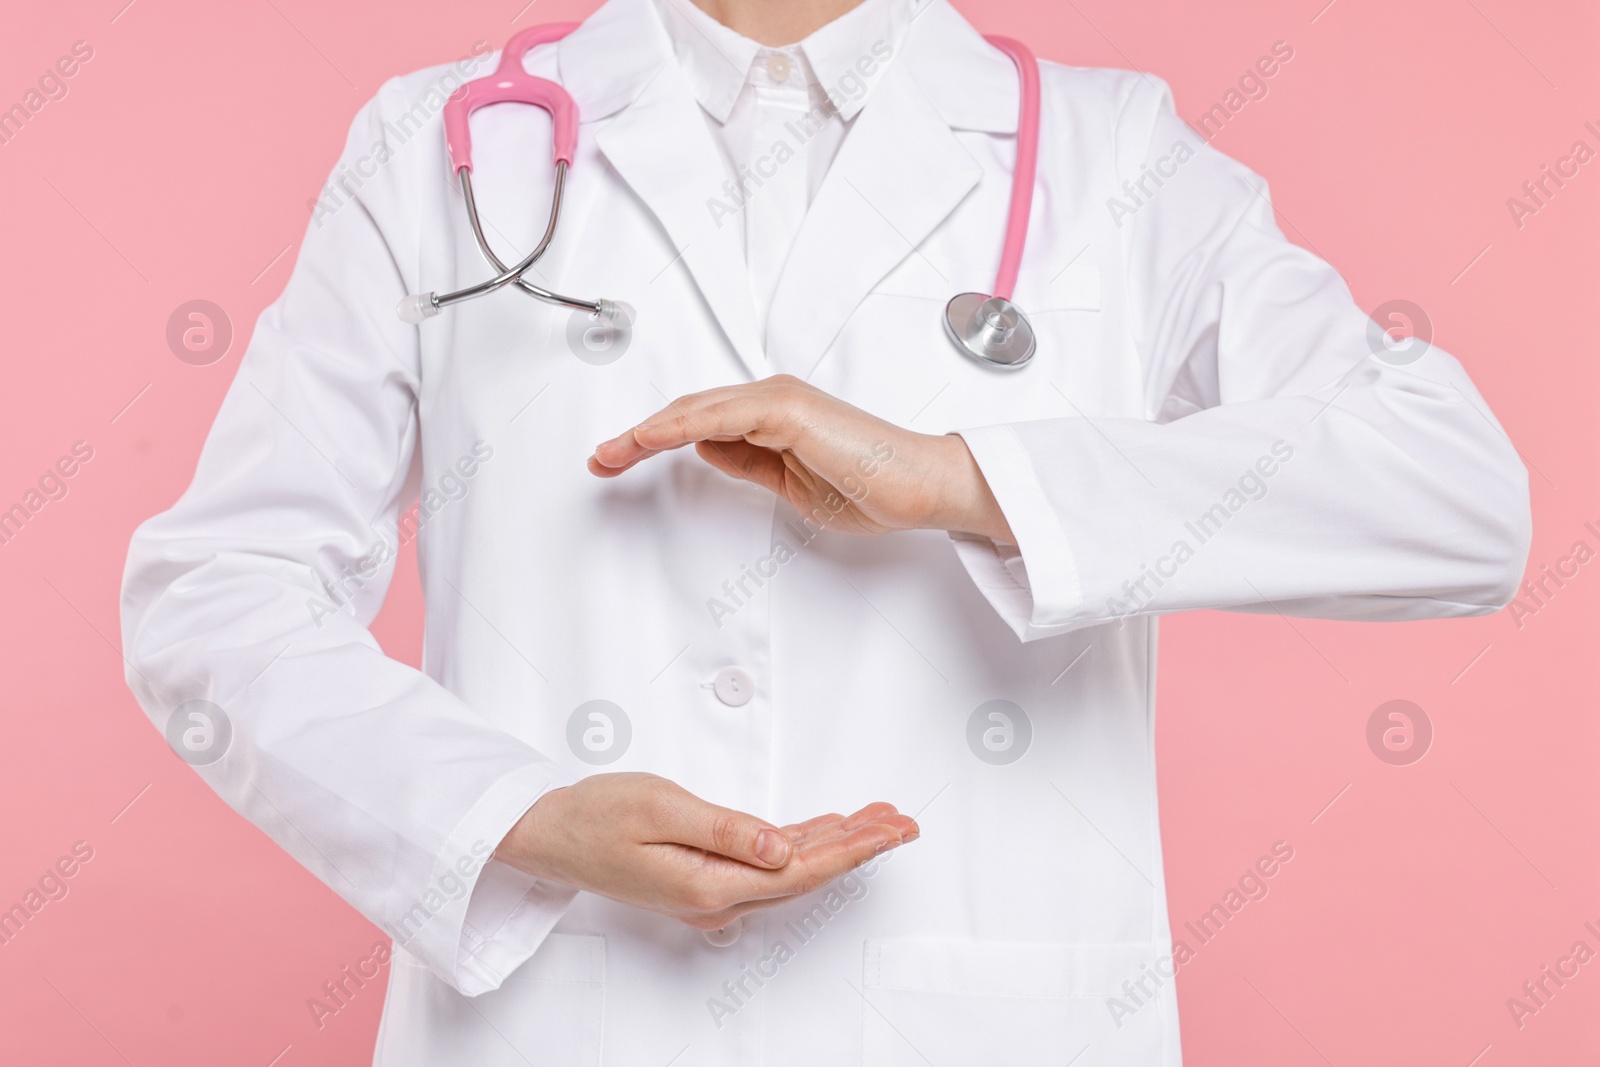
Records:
x=856, y=472
x=642, y=840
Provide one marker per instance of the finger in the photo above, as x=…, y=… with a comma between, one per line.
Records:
x=617, y=455
x=740, y=459
x=689, y=403
x=602, y=471
x=685, y=819
x=809, y=870
x=762, y=416
x=745, y=907
x=869, y=813
x=816, y=834
x=621, y=453
x=828, y=827
x=821, y=840
x=625, y=449
x=831, y=858
x=798, y=831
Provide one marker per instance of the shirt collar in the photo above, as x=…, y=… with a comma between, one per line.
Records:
x=608, y=63
x=846, y=56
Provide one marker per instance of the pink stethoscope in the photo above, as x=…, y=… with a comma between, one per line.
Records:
x=987, y=327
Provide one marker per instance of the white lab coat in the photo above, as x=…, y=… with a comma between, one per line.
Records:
x=1183, y=345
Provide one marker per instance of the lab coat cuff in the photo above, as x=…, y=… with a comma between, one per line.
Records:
x=507, y=912
x=1033, y=585
x=508, y=918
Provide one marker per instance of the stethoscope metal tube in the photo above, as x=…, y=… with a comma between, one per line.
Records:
x=510, y=84
x=595, y=306
x=415, y=308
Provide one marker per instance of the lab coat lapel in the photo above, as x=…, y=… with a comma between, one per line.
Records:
x=900, y=172
x=663, y=149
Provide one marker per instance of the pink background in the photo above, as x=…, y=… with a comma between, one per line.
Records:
x=179, y=167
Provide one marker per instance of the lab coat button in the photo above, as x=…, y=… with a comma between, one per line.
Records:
x=727, y=935
x=734, y=686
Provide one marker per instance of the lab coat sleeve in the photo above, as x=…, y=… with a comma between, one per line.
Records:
x=1286, y=460
x=254, y=592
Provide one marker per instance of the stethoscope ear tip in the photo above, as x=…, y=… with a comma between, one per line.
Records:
x=614, y=314
x=416, y=307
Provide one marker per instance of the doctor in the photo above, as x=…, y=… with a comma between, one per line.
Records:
x=604, y=822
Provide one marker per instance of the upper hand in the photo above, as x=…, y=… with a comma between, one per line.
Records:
x=834, y=463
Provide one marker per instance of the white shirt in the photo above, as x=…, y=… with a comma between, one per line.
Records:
x=780, y=116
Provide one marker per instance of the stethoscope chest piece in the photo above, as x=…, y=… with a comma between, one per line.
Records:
x=989, y=329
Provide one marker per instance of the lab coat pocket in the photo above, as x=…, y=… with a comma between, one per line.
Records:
x=1007, y=1004
x=547, y=1013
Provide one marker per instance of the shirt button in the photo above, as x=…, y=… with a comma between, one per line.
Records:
x=778, y=66
x=734, y=686
x=727, y=935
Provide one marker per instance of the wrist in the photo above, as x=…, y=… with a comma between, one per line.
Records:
x=528, y=845
x=967, y=504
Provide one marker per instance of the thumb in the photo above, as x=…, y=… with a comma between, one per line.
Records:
x=733, y=834
x=740, y=459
